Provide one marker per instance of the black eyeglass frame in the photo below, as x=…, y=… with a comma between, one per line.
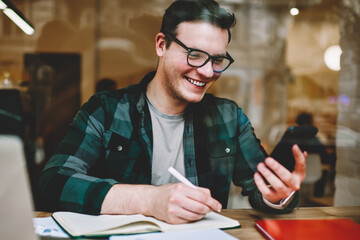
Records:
x=210, y=57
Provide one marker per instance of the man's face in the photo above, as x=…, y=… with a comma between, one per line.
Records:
x=186, y=83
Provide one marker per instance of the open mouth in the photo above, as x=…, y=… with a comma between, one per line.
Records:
x=196, y=83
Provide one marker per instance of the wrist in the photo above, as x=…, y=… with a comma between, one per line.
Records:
x=148, y=200
x=283, y=203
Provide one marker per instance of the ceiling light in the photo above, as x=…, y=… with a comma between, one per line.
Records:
x=332, y=57
x=11, y=11
x=2, y=5
x=294, y=11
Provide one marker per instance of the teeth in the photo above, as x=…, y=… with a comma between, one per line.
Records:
x=199, y=84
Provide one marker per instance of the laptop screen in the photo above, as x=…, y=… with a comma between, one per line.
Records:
x=16, y=208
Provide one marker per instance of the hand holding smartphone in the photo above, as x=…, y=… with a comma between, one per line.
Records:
x=300, y=135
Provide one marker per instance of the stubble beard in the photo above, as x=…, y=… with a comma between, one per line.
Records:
x=171, y=89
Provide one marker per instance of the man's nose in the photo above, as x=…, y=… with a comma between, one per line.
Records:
x=207, y=70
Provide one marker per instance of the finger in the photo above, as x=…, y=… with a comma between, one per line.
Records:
x=261, y=184
x=272, y=179
x=181, y=206
x=196, y=207
x=300, y=162
x=266, y=191
x=184, y=214
x=179, y=215
x=210, y=201
x=203, y=197
x=197, y=200
x=282, y=173
x=193, y=204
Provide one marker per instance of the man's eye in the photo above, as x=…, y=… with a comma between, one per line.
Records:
x=195, y=55
x=219, y=61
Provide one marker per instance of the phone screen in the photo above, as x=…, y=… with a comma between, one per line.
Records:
x=300, y=135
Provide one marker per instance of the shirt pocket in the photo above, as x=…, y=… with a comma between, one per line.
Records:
x=222, y=155
x=121, y=155
x=115, y=142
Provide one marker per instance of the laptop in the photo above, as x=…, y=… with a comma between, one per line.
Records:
x=16, y=206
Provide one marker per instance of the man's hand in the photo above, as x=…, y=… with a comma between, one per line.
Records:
x=282, y=181
x=178, y=203
x=173, y=203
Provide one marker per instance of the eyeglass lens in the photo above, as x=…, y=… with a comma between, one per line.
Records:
x=198, y=59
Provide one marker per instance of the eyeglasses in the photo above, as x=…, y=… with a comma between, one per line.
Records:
x=198, y=58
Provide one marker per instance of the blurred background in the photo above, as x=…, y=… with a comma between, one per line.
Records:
x=293, y=60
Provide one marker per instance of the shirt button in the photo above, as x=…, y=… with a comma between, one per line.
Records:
x=119, y=148
x=227, y=150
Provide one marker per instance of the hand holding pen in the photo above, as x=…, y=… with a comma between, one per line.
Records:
x=184, y=180
x=178, y=203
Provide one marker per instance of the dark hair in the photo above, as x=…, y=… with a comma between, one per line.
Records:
x=196, y=10
x=105, y=84
x=304, y=119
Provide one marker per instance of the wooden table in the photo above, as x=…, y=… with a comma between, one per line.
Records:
x=247, y=218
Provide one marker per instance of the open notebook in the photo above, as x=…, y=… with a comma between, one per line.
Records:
x=77, y=224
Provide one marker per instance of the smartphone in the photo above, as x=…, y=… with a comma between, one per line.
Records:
x=300, y=135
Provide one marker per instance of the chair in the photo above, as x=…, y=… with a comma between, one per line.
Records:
x=313, y=168
x=313, y=174
x=11, y=113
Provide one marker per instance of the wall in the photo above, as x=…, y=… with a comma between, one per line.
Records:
x=348, y=161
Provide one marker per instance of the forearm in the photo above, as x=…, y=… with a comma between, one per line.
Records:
x=129, y=199
x=63, y=190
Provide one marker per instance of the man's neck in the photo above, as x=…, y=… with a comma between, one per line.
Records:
x=162, y=100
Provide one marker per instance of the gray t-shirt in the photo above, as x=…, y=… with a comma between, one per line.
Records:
x=168, y=148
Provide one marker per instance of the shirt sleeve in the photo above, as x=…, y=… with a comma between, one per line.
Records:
x=64, y=183
x=250, y=155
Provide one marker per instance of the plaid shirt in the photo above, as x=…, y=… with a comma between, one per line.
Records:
x=110, y=141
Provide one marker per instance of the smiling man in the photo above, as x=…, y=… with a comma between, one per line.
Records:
x=185, y=74
x=114, y=159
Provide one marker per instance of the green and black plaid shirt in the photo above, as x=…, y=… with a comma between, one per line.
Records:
x=110, y=141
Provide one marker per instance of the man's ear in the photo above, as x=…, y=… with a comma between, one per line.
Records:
x=160, y=44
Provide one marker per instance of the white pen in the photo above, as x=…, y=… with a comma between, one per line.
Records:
x=181, y=178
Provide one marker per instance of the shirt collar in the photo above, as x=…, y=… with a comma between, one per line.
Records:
x=142, y=89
